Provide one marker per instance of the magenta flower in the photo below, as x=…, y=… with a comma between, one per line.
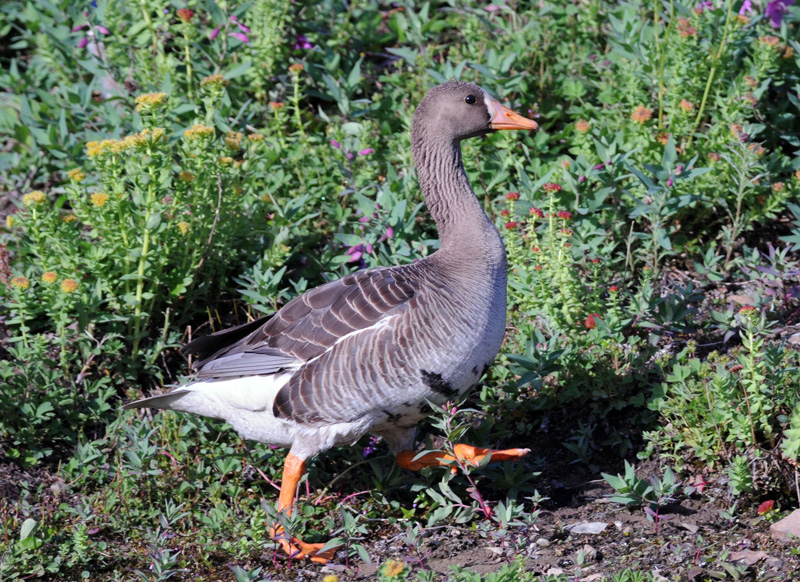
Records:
x=601, y=166
x=389, y=232
x=670, y=182
x=366, y=152
x=747, y=8
x=776, y=9
x=336, y=144
x=102, y=29
x=214, y=34
x=242, y=27
x=350, y=156
x=83, y=42
x=301, y=43
x=240, y=36
x=80, y=27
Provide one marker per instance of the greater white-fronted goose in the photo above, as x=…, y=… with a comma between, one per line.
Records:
x=366, y=353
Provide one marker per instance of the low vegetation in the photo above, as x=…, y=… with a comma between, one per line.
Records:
x=174, y=168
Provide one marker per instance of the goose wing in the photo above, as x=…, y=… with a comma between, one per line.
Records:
x=306, y=327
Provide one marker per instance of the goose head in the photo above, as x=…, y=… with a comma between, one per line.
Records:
x=456, y=110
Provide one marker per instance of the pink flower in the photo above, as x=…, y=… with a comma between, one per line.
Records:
x=512, y=196
x=552, y=187
x=336, y=144
x=240, y=36
x=241, y=26
x=504, y=213
x=214, y=33
x=511, y=225
x=83, y=42
x=536, y=212
x=776, y=9
x=366, y=152
x=80, y=27
x=601, y=166
x=670, y=182
x=102, y=29
x=389, y=232
x=564, y=215
x=613, y=289
x=747, y=7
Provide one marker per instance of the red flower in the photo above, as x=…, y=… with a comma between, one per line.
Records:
x=512, y=196
x=537, y=213
x=565, y=231
x=511, y=225
x=766, y=507
x=551, y=187
x=590, y=323
x=596, y=261
x=564, y=215
x=747, y=309
x=504, y=213
x=613, y=289
x=185, y=14
x=537, y=268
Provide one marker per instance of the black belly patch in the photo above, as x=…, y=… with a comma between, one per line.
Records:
x=438, y=384
x=393, y=418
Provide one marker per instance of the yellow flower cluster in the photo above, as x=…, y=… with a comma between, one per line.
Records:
x=198, y=131
x=214, y=81
x=256, y=137
x=49, y=277
x=100, y=199
x=69, y=285
x=641, y=114
x=76, y=175
x=20, y=283
x=183, y=227
x=186, y=176
x=67, y=218
x=331, y=578
x=150, y=101
x=226, y=160
x=34, y=198
x=98, y=149
x=393, y=568
x=9, y=221
x=233, y=140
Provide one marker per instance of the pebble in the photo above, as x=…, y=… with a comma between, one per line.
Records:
x=593, y=527
x=542, y=543
x=747, y=557
x=788, y=529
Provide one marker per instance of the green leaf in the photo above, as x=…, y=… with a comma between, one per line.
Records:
x=29, y=526
x=237, y=71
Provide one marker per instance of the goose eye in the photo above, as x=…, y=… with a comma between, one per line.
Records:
x=470, y=99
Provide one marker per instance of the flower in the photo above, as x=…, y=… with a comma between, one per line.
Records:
x=389, y=232
x=214, y=34
x=256, y=137
x=641, y=114
x=76, y=175
x=150, y=101
x=49, y=277
x=393, y=568
x=336, y=144
x=747, y=8
x=83, y=42
x=747, y=310
x=777, y=187
x=564, y=215
x=67, y=218
x=198, y=131
x=98, y=149
x=670, y=182
x=214, y=82
x=686, y=105
x=590, y=322
x=536, y=212
x=685, y=29
x=766, y=507
x=331, y=578
x=769, y=40
x=582, y=125
x=512, y=196
x=613, y=289
x=35, y=198
x=276, y=105
x=185, y=14
x=595, y=261
x=551, y=187
x=565, y=231
x=21, y=283
x=233, y=139
x=183, y=227
x=714, y=156
x=99, y=199
x=225, y=160
x=301, y=43
x=186, y=176
x=296, y=68
x=775, y=11
x=240, y=36
x=537, y=268
x=511, y=225
x=366, y=152
x=9, y=221
x=69, y=285
x=504, y=212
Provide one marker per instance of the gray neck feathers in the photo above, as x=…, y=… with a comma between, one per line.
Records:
x=468, y=239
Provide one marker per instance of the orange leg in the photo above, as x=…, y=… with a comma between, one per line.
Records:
x=466, y=453
x=293, y=470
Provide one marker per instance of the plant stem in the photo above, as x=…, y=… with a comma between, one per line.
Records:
x=137, y=326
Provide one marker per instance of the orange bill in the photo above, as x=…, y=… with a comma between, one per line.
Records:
x=504, y=118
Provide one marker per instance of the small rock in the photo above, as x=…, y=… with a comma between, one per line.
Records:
x=788, y=529
x=618, y=525
x=593, y=527
x=689, y=526
x=794, y=340
x=554, y=572
x=772, y=563
x=742, y=299
x=747, y=557
x=593, y=577
x=542, y=543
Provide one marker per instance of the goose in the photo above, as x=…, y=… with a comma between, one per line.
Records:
x=368, y=352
